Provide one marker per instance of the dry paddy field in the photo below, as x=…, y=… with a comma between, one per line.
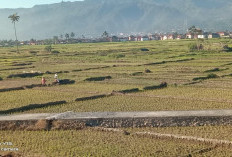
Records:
x=132, y=77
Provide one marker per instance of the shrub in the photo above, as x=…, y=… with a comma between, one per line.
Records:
x=144, y=49
x=91, y=97
x=66, y=81
x=210, y=76
x=162, y=85
x=98, y=78
x=195, y=47
x=32, y=107
x=227, y=48
x=212, y=70
x=1, y=79
x=192, y=47
x=24, y=75
x=133, y=90
x=11, y=89
x=48, y=48
x=147, y=71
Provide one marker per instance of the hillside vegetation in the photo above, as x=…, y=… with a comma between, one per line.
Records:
x=92, y=17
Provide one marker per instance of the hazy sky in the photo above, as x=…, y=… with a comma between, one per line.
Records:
x=27, y=3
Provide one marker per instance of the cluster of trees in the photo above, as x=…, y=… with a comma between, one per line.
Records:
x=67, y=36
x=194, y=31
x=7, y=43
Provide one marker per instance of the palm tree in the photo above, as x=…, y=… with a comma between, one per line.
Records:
x=15, y=18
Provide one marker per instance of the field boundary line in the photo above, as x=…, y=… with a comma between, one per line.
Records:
x=215, y=142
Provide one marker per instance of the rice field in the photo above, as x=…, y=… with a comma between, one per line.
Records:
x=75, y=143
x=100, y=143
x=127, y=65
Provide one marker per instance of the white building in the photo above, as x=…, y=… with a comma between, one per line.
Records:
x=201, y=36
x=165, y=37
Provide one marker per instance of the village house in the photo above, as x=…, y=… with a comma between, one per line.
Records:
x=189, y=36
x=114, y=38
x=197, y=34
x=132, y=38
x=157, y=37
x=213, y=35
x=163, y=37
x=170, y=37
x=179, y=37
x=123, y=39
x=32, y=43
x=144, y=38
x=201, y=36
x=22, y=43
x=221, y=34
x=154, y=37
x=139, y=38
x=151, y=37
x=224, y=34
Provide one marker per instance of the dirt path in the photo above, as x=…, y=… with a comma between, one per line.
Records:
x=96, y=115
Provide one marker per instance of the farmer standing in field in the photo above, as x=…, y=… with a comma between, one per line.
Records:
x=56, y=78
x=43, y=81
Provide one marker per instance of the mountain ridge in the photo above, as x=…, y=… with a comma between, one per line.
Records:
x=92, y=17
